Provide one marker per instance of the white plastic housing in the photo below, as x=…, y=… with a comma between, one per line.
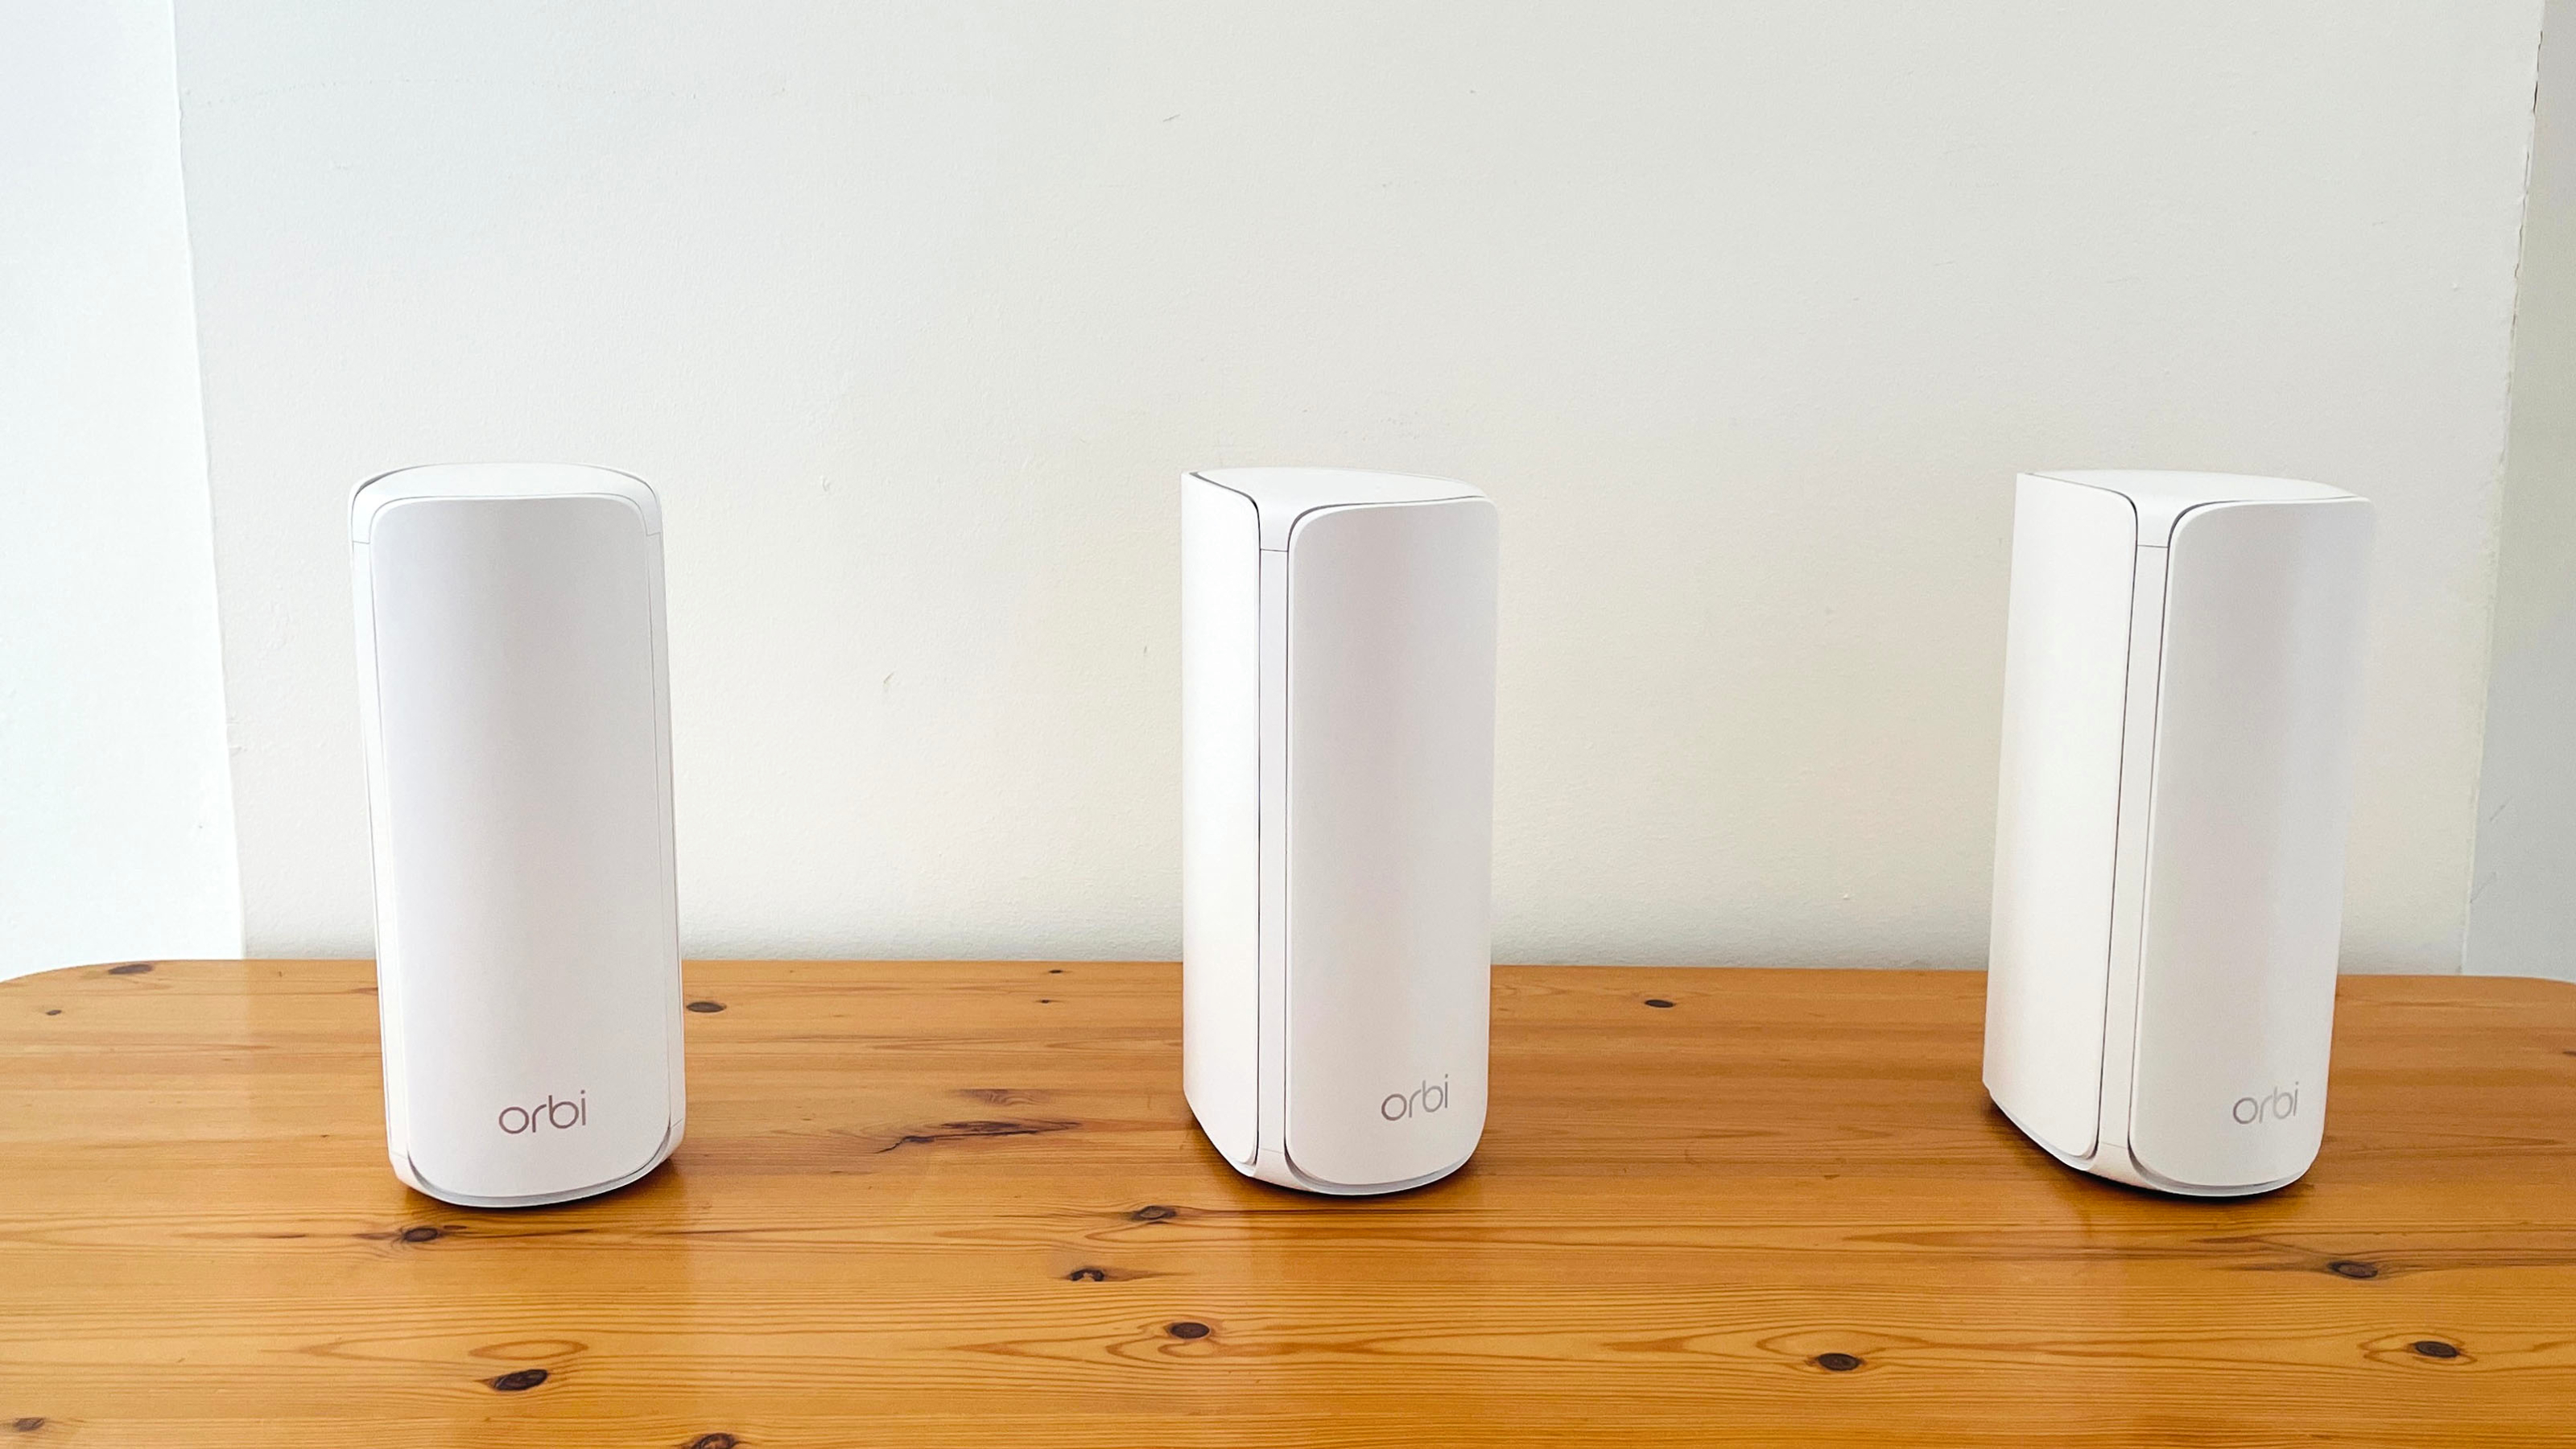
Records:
x=1337, y=783
x=2182, y=686
x=515, y=690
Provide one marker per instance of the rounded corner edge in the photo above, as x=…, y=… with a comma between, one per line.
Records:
x=1286, y=1173
x=1220, y=488
x=1314, y=512
x=412, y=1177
x=640, y=493
x=2128, y=500
x=369, y=498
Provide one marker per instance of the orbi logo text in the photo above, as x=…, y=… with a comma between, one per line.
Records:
x=2276, y=1106
x=1424, y=1099
x=561, y=1115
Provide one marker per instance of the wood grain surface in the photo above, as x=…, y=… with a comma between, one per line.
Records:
x=964, y=1204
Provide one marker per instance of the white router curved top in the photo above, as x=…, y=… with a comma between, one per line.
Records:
x=496, y=480
x=2161, y=498
x=1280, y=496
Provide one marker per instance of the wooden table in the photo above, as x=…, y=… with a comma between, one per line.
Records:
x=950, y=1203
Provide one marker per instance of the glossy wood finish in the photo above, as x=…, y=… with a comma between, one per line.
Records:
x=964, y=1204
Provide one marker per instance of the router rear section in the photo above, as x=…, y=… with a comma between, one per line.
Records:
x=514, y=687
x=2182, y=688
x=1337, y=669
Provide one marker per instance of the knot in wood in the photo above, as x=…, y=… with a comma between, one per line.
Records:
x=518, y=1381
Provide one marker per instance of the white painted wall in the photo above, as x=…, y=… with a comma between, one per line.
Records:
x=1746, y=314
x=116, y=829
x=2522, y=910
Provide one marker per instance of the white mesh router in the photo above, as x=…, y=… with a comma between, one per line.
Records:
x=515, y=689
x=2182, y=685
x=1337, y=744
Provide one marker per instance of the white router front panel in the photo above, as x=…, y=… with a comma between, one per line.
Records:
x=516, y=709
x=1338, y=698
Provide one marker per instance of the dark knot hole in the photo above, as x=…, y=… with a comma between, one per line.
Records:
x=519, y=1381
